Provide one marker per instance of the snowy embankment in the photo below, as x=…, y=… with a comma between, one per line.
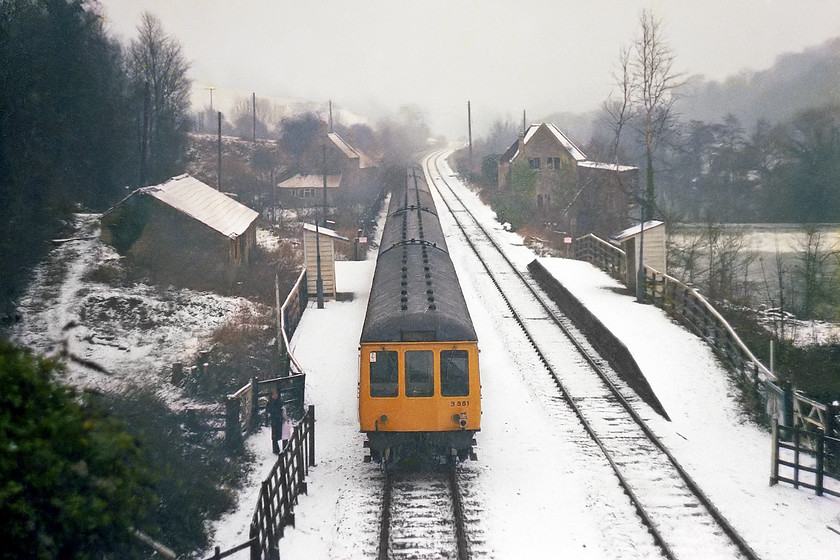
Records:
x=116, y=338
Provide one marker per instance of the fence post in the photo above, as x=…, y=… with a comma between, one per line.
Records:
x=796, y=457
x=820, y=462
x=233, y=430
x=311, y=420
x=787, y=403
x=254, y=535
x=255, y=403
x=774, y=453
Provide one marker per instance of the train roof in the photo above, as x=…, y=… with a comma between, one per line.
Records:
x=415, y=294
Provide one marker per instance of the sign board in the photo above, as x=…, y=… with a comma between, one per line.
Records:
x=567, y=240
x=362, y=239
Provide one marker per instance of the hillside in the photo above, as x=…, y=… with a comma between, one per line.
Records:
x=796, y=81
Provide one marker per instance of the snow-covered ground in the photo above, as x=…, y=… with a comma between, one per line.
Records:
x=545, y=492
x=130, y=335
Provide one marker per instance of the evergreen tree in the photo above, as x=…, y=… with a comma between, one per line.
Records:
x=71, y=480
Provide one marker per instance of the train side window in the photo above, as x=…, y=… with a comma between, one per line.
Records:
x=384, y=374
x=419, y=373
x=454, y=373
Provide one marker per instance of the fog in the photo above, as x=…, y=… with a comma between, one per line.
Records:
x=541, y=56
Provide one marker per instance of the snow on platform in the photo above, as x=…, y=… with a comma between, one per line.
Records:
x=726, y=454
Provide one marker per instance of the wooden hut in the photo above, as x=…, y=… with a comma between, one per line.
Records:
x=653, y=237
x=322, y=242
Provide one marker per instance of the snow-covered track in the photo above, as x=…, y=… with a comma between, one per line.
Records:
x=682, y=520
x=422, y=516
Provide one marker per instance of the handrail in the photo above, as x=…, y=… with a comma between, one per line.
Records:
x=716, y=314
x=292, y=293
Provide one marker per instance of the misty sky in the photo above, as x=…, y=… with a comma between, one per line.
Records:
x=541, y=56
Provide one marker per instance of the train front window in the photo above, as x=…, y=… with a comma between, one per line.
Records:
x=384, y=374
x=454, y=373
x=419, y=373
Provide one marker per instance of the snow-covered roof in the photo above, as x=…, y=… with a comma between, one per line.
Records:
x=513, y=151
x=350, y=152
x=310, y=182
x=325, y=231
x=202, y=202
x=575, y=152
x=634, y=230
x=607, y=166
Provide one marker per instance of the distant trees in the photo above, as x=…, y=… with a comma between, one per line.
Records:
x=77, y=121
x=298, y=133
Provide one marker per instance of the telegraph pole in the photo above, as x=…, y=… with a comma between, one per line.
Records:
x=254, y=111
x=325, y=181
x=469, y=129
x=219, y=172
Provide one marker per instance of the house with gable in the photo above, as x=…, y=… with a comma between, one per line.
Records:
x=579, y=195
x=349, y=173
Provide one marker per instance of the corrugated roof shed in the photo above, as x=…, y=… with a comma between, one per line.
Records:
x=204, y=203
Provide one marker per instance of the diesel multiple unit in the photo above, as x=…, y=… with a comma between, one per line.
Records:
x=419, y=387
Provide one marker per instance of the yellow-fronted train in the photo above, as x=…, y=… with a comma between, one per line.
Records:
x=419, y=386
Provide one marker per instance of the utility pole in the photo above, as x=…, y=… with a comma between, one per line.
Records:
x=469, y=129
x=325, y=180
x=319, y=281
x=211, y=88
x=254, y=111
x=524, y=127
x=219, y=172
x=331, y=121
x=144, y=141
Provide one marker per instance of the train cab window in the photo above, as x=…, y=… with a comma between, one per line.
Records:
x=384, y=374
x=419, y=373
x=454, y=373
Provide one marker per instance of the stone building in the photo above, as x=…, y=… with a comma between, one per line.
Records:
x=580, y=196
x=183, y=229
x=349, y=172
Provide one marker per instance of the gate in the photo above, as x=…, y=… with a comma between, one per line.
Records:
x=807, y=458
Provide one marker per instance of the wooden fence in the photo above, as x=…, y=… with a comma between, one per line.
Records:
x=242, y=407
x=279, y=494
x=604, y=255
x=690, y=308
x=826, y=452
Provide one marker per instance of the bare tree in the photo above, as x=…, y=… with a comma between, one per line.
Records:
x=158, y=68
x=647, y=84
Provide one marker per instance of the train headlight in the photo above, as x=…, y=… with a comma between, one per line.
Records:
x=462, y=420
x=383, y=419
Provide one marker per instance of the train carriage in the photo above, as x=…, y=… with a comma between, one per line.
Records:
x=419, y=385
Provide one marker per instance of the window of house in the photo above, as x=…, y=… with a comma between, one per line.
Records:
x=534, y=163
x=552, y=162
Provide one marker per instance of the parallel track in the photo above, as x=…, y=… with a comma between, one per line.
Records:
x=682, y=520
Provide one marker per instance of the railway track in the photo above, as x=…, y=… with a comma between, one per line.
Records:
x=683, y=522
x=423, y=516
